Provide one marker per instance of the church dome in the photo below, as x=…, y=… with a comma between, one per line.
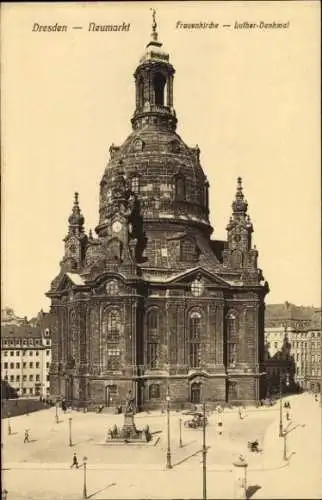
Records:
x=154, y=162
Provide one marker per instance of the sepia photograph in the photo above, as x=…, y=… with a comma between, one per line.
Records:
x=161, y=250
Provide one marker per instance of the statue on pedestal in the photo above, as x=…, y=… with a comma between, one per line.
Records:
x=129, y=403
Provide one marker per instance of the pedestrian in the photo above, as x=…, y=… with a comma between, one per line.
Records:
x=75, y=461
x=26, y=440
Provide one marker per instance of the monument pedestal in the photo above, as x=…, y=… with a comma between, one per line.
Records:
x=129, y=430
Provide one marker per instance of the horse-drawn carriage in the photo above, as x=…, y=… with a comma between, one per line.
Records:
x=196, y=421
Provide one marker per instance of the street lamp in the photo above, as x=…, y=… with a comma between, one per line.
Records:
x=286, y=375
x=204, y=455
x=241, y=477
x=169, y=466
x=70, y=431
x=180, y=433
x=9, y=425
x=56, y=416
x=284, y=445
x=84, y=486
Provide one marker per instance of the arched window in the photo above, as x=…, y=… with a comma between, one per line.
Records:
x=115, y=250
x=154, y=391
x=197, y=288
x=72, y=344
x=153, y=319
x=113, y=326
x=141, y=92
x=112, y=332
x=180, y=188
x=159, y=82
x=195, y=326
x=135, y=184
x=112, y=288
x=93, y=334
x=153, y=339
x=232, y=339
x=194, y=339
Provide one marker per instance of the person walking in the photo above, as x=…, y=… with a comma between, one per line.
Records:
x=26, y=440
x=75, y=462
x=241, y=414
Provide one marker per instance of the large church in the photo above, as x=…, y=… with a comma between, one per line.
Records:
x=151, y=303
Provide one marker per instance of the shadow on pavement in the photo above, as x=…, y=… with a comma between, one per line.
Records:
x=184, y=445
x=251, y=490
x=185, y=459
x=83, y=441
x=99, y=491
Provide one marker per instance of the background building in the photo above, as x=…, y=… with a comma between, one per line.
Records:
x=152, y=303
x=26, y=354
x=293, y=344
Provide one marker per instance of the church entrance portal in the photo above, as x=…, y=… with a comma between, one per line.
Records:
x=195, y=393
x=110, y=395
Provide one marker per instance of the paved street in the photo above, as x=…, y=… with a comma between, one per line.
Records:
x=40, y=469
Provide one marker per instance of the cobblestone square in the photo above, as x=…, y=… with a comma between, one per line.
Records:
x=41, y=468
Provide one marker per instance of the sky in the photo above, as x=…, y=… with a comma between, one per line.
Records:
x=250, y=98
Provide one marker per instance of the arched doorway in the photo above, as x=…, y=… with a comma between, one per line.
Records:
x=110, y=395
x=195, y=393
x=232, y=390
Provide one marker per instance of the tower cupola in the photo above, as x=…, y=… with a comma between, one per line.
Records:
x=154, y=86
x=76, y=219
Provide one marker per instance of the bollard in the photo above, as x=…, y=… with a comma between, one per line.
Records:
x=241, y=477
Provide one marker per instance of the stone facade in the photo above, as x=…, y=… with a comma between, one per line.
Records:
x=152, y=302
x=293, y=345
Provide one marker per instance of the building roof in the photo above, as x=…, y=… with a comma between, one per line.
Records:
x=76, y=278
x=8, y=317
x=20, y=331
x=292, y=315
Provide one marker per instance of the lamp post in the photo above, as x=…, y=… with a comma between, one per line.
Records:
x=84, y=486
x=284, y=445
x=241, y=477
x=169, y=466
x=70, y=431
x=204, y=456
x=9, y=425
x=281, y=401
x=180, y=433
x=56, y=416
